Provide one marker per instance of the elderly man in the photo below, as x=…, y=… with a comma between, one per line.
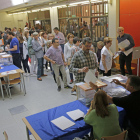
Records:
x=123, y=58
x=55, y=55
x=60, y=37
x=39, y=55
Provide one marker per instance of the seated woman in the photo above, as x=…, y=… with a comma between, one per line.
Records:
x=103, y=117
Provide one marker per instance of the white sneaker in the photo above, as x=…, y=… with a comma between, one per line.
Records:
x=73, y=93
x=33, y=75
x=25, y=74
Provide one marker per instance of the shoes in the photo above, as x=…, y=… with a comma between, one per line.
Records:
x=59, y=89
x=44, y=75
x=68, y=87
x=25, y=74
x=39, y=79
x=33, y=75
x=73, y=93
x=71, y=81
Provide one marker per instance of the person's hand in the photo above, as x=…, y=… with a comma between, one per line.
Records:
x=123, y=49
x=43, y=45
x=65, y=63
x=106, y=71
x=116, y=81
x=85, y=69
x=93, y=85
x=53, y=62
x=1, y=51
x=96, y=73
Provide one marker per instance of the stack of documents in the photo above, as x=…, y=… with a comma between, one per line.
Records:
x=63, y=123
x=9, y=72
x=125, y=44
x=76, y=114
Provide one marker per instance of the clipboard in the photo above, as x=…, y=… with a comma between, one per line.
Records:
x=1, y=42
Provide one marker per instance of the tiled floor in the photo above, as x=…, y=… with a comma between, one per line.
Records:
x=40, y=96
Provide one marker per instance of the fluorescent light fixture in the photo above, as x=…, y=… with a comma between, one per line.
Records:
x=15, y=13
x=82, y=2
x=36, y=10
x=59, y=6
x=20, y=12
x=44, y=9
x=10, y=14
x=17, y=2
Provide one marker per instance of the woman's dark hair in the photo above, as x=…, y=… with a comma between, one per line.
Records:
x=101, y=103
x=9, y=29
x=21, y=39
x=31, y=32
x=1, y=32
x=75, y=40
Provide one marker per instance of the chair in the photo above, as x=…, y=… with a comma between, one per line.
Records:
x=3, y=83
x=5, y=135
x=13, y=79
x=122, y=136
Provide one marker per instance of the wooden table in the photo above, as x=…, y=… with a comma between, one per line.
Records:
x=22, y=80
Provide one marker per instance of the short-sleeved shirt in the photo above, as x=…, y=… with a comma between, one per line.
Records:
x=60, y=37
x=55, y=54
x=13, y=43
x=108, y=58
x=131, y=104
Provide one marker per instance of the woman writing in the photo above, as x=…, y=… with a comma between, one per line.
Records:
x=103, y=117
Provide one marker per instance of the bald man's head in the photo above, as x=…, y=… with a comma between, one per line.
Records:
x=120, y=31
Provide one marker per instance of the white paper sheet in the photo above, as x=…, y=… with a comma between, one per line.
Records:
x=4, y=73
x=76, y=114
x=11, y=72
x=63, y=123
x=78, y=84
x=90, y=76
x=7, y=55
x=125, y=44
x=3, y=53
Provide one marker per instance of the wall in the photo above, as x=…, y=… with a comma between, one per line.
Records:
x=130, y=19
x=12, y=20
x=113, y=23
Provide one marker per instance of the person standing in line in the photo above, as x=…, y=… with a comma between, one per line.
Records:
x=55, y=55
x=24, y=55
x=17, y=33
x=68, y=52
x=92, y=49
x=82, y=61
x=14, y=49
x=60, y=37
x=85, y=31
x=31, y=54
x=122, y=57
x=106, y=57
x=75, y=47
x=39, y=54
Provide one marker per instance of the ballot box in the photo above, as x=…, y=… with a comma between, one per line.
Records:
x=6, y=59
x=85, y=93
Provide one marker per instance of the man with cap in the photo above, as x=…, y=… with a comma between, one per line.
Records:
x=39, y=54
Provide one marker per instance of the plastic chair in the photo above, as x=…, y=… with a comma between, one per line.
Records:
x=5, y=135
x=122, y=136
x=13, y=79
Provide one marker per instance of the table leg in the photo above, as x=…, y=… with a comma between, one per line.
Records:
x=1, y=89
x=27, y=131
x=23, y=84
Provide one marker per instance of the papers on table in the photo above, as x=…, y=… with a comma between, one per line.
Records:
x=90, y=76
x=7, y=55
x=125, y=44
x=78, y=84
x=63, y=123
x=76, y=114
x=9, y=72
x=3, y=53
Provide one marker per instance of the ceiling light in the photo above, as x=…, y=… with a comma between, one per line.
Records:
x=15, y=13
x=59, y=6
x=20, y=12
x=36, y=10
x=79, y=3
x=44, y=9
x=10, y=14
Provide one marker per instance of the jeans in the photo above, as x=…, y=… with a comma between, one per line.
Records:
x=56, y=69
x=106, y=74
x=71, y=74
x=33, y=64
x=40, y=70
x=125, y=59
x=62, y=46
x=16, y=60
x=25, y=64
